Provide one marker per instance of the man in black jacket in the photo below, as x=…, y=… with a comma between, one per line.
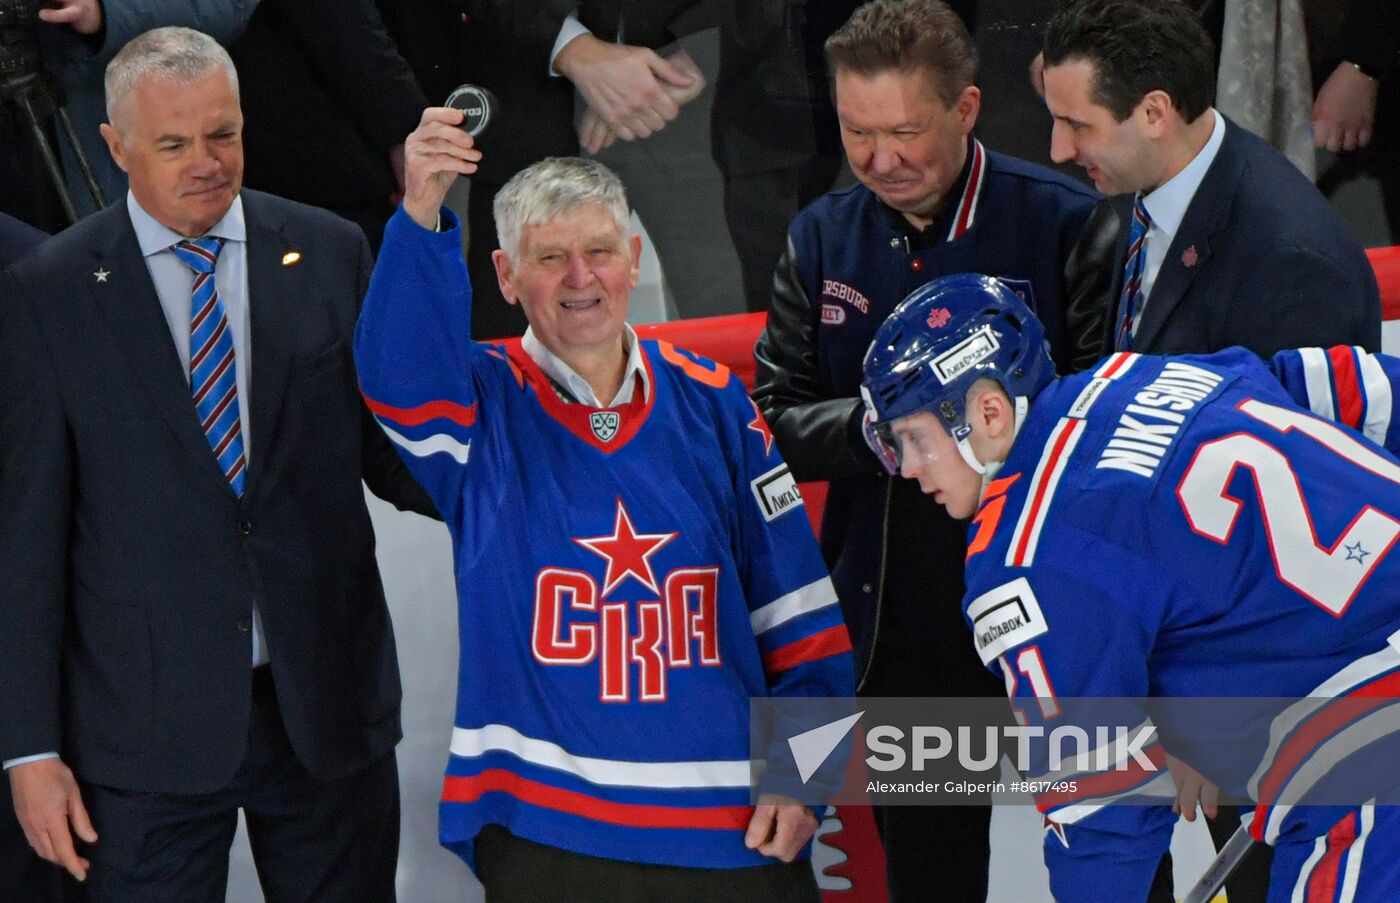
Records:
x=328, y=101
x=932, y=201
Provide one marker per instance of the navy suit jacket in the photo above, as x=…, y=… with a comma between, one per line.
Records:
x=1261, y=260
x=17, y=239
x=130, y=567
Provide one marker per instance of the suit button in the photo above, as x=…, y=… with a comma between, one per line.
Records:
x=245, y=527
x=245, y=624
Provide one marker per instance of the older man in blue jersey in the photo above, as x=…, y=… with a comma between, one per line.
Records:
x=632, y=562
x=1170, y=527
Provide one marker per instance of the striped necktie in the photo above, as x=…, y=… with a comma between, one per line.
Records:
x=212, y=372
x=1130, y=304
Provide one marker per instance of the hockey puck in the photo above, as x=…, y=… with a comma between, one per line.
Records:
x=478, y=105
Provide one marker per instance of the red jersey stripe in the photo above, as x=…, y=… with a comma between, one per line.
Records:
x=1326, y=875
x=1119, y=362
x=1322, y=725
x=1105, y=783
x=471, y=788
x=822, y=644
x=432, y=410
x=1346, y=385
x=1047, y=479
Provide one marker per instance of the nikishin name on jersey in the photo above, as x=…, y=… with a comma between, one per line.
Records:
x=677, y=631
x=1148, y=426
x=776, y=492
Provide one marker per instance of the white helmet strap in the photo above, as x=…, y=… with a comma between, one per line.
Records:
x=989, y=469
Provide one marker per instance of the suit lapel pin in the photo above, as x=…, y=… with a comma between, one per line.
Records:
x=102, y=274
x=290, y=258
x=1189, y=257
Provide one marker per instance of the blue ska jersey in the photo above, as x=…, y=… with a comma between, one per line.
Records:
x=627, y=578
x=1211, y=526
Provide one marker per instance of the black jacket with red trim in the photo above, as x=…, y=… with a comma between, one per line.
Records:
x=895, y=556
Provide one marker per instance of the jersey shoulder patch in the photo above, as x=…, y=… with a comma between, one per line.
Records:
x=1004, y=618
x=776, y=492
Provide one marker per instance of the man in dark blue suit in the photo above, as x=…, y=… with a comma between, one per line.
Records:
x=21, y=873
x=1224, y=243
x=1239, y=249
x=191, y=619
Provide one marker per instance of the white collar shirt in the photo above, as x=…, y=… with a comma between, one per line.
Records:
x=575, y=387
x=1167, y=204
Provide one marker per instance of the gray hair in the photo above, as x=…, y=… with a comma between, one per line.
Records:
x=179, y=54
x=555, y=185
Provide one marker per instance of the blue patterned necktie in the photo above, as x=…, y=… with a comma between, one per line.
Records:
x=213, y=379
x=1130, y=303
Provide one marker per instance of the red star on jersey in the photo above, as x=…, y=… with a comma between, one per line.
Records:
x=760, y=426
x=627, y=551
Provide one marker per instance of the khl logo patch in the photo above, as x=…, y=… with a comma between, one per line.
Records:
x=604, y=424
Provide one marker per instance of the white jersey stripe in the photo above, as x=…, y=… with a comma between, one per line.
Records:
x=429, y=445
x=1321, y=761
x=1300, y=889
x=1042, y=492
x=1116, y=365
x=1161, y=786
x=1376, y=389
x=1052, y=467
x=1358, y=672
x=470, y=743
x=816, y=595
x=1352, y=875
x=1317, y=376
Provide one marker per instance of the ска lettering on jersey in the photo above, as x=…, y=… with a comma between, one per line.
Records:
x=574, y=625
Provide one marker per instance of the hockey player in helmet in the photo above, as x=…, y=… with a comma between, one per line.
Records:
x=1171, y=528
x=936, y=357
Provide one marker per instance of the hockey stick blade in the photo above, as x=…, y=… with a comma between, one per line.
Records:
x=1225, y=862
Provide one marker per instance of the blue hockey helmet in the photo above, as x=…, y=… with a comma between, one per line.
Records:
x=942, y=338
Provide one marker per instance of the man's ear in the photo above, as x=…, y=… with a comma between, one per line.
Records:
x=634, y=245
x=504, y=274
x=996, y=413
x=967, y=106
x=114, y=144
x=1157, y=109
